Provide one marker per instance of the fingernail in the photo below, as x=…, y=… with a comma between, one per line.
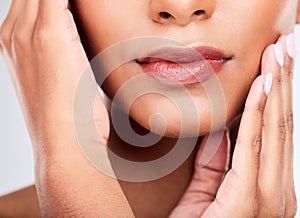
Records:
x=227, y=135
x=227, y=132
x=279, y=53
x=268, y=83
x=290, y=45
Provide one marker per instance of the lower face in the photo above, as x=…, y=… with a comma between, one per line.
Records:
x=240, y=29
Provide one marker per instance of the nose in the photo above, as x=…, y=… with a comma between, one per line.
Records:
x=180, y=12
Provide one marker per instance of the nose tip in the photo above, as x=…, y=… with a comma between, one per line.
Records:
x=180, y=12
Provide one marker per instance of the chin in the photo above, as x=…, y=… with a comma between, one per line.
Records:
x=165, y=120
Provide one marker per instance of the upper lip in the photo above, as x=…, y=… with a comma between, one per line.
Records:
x=183, y=55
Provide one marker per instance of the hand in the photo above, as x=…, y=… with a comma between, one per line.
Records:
x=260, y=182
x=46, y=60
x=40, y=44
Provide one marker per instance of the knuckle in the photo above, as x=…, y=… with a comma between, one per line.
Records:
x=277, y=77
x=5, y=34
x=288, y=69
x=281, y=125
x=23, y=28
x=260, y=107
x=41, y=36
x=290, y=121
x=288, y=66
x=257, y=107
x=257, y=143
x=19, y=37
x=42, y=19
x=42, y=31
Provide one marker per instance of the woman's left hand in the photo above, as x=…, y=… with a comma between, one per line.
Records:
x=260, y=182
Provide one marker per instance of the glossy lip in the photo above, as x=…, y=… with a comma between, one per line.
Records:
x=186, y=65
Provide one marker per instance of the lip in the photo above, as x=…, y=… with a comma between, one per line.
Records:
x=188, y=65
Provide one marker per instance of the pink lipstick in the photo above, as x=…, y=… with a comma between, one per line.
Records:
x=189, y=65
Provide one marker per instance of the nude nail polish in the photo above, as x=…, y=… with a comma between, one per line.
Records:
x=268, y=83
x=290, y=45
x=227, y=132
x=278, y=50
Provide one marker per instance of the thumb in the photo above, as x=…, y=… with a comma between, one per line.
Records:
x=207, y=178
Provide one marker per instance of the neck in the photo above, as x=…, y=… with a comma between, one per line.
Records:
x=146, y=197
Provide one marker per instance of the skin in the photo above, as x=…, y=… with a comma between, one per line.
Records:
x=36, y=35
x=142, y=19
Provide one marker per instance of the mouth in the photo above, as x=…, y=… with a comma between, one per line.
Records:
x=173, y=65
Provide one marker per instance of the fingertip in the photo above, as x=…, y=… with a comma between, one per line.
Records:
x=290, y=45
x=279, y=53
x=257, y=89
x=273, y=60
x=256, y=100
x=268, y=59
x=288, y=42
x=215, y=149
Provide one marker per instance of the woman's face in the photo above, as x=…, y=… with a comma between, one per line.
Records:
x=240, y=29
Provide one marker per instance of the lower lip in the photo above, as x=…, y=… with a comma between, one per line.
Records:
x=187, y=73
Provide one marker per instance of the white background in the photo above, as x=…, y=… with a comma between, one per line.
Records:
x=16, y=157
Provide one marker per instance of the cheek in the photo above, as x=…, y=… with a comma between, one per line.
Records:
x=105, y=23
x=256, y=24
x=253, y=25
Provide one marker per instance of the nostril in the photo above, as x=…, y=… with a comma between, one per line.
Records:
x=199, y=12
x=165, y=15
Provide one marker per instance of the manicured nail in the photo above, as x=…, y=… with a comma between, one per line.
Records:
x=279, y=53
x=290, y=45
x=227, y=132
x=268, y=83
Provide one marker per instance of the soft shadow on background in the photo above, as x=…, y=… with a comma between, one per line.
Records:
x=16, y=157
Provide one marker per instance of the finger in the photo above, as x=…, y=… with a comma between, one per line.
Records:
x=8, y=24
x=239, y=192
x=288, y=178
x=22, y=41
x=287, y=92
x=206, y=180
x=50, y=9
x=24, y=28
x=246, y=157
x=274, y=133
x=26, y=21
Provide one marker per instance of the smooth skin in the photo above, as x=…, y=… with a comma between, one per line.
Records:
x=259, y=183
x=241, y=29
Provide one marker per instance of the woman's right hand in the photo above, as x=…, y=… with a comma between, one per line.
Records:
x=260, y=182
x=40, y=44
